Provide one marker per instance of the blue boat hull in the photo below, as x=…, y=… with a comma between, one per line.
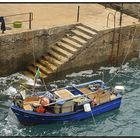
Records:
x=32, y=118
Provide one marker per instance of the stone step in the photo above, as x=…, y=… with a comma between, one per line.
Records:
x=89, y=28
x=47, y=64
x=81, y=34
x=62, y=51
x=52, y=60
x=77, y=39
x=28, y=74
x=85, y=30
x=71, y=43
x=57, y=56
x=66, y=47
x=31, y=69
x=43, y=69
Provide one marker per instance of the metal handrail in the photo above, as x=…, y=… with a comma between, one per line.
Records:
x=16, y=14
x=113, y=37
x=29, y=20
x=114, y=15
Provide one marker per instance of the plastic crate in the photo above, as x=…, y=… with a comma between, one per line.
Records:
x=68, y=106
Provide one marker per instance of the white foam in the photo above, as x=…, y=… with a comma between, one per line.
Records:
x=134, y=59
x=125, y=66
x=112, y=69
x=31, y=83
x=81, y=73
x=53, y=85
x=11, y=127
x=105, y=68
x=10, y=91
x=5, y=81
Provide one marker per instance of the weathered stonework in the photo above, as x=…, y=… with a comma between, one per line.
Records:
x=99, y=51
x=16, y=50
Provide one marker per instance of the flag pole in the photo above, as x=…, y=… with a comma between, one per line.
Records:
x=37, y=76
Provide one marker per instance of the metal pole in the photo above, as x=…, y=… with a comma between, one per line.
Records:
x=78, y=13
x=121, y=18
x=121, y=15
x=119, y=38
x=139, y=15
x=113, y=40
x=105, y=6
x=30, y=20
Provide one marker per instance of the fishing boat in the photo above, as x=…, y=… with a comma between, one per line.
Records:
x=71, y=103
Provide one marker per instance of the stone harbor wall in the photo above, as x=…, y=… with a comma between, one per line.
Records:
x=17, y=50
x=102, y=51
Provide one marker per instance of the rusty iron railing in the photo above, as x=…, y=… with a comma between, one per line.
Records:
x=30, y=19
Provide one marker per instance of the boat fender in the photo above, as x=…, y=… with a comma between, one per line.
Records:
x=94, y=101
x=119, y=89
x=44, y=101
x=87, y=107
x=40, y=109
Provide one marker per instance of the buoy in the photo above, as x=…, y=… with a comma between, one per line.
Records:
x=40, y=109
x=119, y=89
x=44, y=101
x=87, y=107
x=94, y=101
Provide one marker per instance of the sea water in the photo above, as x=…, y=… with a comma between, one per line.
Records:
x=120, y=122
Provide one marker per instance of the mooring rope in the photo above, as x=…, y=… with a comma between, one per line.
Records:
x=34, y=65
x=34, y=56
x=116, y=73
x=129, y=46
x=44, y=84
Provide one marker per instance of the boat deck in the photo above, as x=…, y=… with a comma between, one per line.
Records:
x=73, y=97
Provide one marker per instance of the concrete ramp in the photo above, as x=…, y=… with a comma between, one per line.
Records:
x=62, y=51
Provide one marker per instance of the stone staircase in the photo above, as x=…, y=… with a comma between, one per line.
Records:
x=62, y=51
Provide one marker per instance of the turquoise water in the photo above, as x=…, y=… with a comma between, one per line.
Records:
x=121, y=122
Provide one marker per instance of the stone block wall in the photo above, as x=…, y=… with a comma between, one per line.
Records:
x=99, y=51
x=16, y=50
